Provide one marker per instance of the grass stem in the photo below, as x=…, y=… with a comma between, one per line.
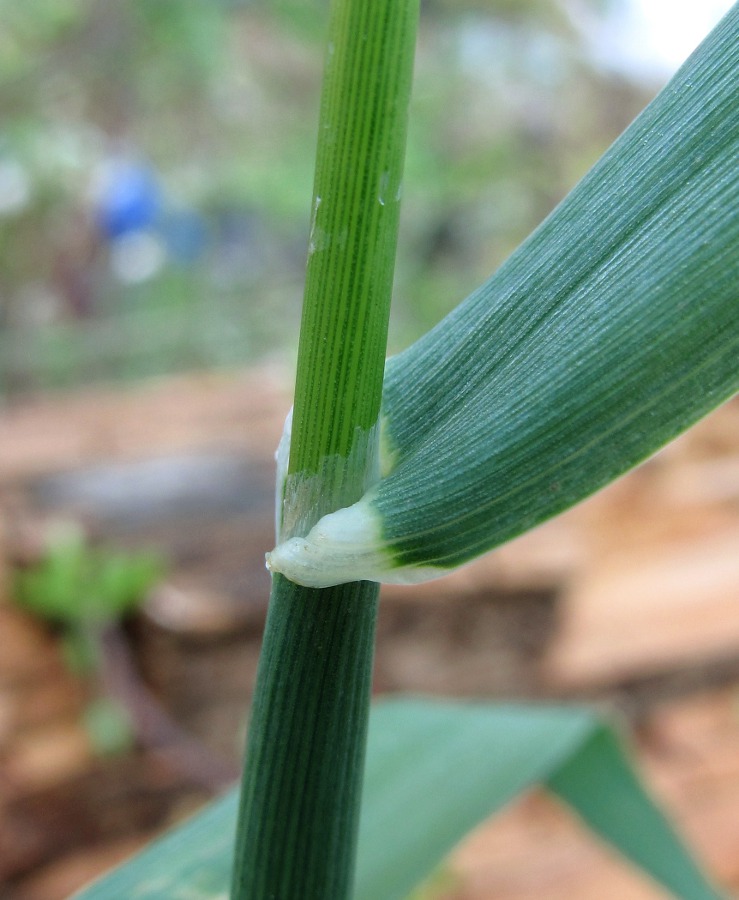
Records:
x=299, y=808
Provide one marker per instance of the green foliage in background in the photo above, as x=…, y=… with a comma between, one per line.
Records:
x=75, y=584
x=82, y=591
x=221, y=99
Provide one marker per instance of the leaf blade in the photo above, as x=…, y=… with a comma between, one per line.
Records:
x=434, y=771
x=453, y=764
x=613, y=240
x=632, y=825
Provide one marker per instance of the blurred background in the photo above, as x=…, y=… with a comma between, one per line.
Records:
x=155, y=184
x=156, y=166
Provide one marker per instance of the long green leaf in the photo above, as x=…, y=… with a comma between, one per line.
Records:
x=611, y=330
x=615, y=807
x=434, y=771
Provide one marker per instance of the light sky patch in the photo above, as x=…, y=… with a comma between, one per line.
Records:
x=649, y=39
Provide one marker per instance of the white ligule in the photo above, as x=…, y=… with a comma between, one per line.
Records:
x=344, y=546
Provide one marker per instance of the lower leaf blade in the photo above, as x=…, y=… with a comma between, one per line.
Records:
x=434, y=771
x=602, y=788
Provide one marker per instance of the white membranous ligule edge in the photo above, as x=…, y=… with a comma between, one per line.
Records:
x=300, y=499
x=282, y=457
x=342, y=546
x=345, y=545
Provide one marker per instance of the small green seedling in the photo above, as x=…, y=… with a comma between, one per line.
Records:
x=82, y=591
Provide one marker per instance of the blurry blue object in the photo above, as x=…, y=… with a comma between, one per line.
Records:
x=129, y=200
x=185, y=235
